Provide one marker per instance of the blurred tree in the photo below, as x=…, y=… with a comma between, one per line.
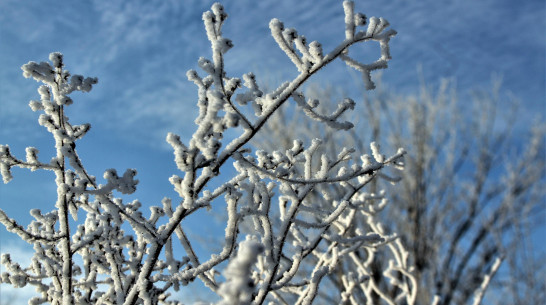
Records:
x=472, y=189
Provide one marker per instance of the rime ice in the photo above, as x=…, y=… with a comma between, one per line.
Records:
x=118, y=253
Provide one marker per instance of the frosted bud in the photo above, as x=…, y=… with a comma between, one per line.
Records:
x=342, y=171
x=167, y=205
x=57, y=59
x=348, y=103
x=366, y=160
x=232, y=84
x=127, y=183
x=81, y=130
x=278, y=156
x=76, y=80
x=301, y=41
x=348, y=8
x=360, y=19
x=6, y=172
x=88, y=83
x=4, y=150
x=263, y=158
x=208, y=80
x=43, y=90
x=206, y=65
x=355, y=167
x=31, y=154
x=383, y=23
x=35, y=105
x=40, y=72
x=193, y=76
x=64, y=75
x=224, y=45
x=297, y=146
x=372, y=26
x=290, y=34
x=313, y=103
x=6, y=259
x=210, y=20
x=276, y=26
x=176, y=181
x=375, y=152
x=36, y=267
x=174, y=140
x=64, y=100
x=219, y=12
x=298, y=97
x=307, y=65
x=315, y=49
x=49, y=107
x=315, y=143
x=110, y=174
x=324, y=166
x=239, y=285
x=250, y=80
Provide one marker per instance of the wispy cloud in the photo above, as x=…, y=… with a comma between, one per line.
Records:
x=140, y=50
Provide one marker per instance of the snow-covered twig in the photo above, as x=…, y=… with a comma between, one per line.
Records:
x=116, y=255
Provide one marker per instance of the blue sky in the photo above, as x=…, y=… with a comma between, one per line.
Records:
x=141, y=50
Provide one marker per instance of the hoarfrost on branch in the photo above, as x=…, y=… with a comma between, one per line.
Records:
x=117, y=255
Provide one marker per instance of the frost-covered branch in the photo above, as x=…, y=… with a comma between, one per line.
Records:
x=118, y=255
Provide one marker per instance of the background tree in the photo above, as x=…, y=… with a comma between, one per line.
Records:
x=472, y=190
x=93, y=247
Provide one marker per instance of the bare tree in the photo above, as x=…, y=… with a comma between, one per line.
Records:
x=471, y=191
x=115, y=254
